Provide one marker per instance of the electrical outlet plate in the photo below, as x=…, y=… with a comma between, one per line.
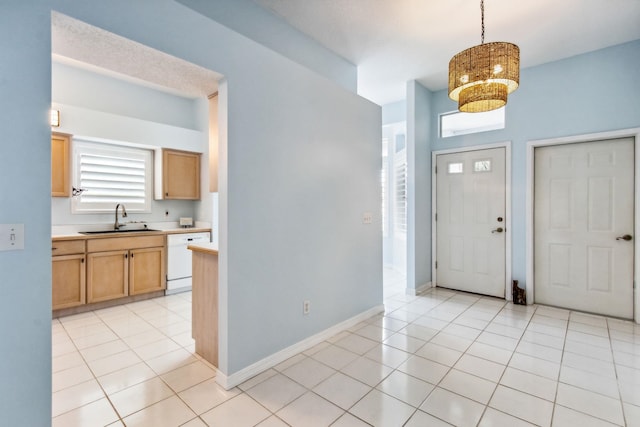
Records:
x=11, y=237
x=306, y=307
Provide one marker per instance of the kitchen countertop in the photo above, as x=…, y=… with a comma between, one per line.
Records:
x=178, y=230
x=207, y=248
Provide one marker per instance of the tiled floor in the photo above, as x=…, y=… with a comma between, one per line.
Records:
x=442, y=358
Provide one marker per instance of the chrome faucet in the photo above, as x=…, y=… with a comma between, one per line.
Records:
x=117, y=225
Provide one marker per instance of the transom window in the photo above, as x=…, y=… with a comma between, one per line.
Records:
x=110, y=174
x=457, y=123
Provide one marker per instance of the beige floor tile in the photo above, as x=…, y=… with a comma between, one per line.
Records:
x=170, y=361
x=206, y=395
x=276, y=392
x=170, y=412
x=188, y=375
x=467, y=385
x=380, y=409
x=75, y=396
x=310, y=409
x=113, y=363
x=308, y=372
x=342, y=390
x=70, y=377
x=98, y=413
x=125, y=378
x=526, y=382
x=406, y=388
x=426, y=370
x=241, y=411
x=140, y=396
x=453, y=408
x=522, y=405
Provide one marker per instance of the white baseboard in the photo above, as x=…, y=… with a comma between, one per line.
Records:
x=418, y=290
x=230, y=381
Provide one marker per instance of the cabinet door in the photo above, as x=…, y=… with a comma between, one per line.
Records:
x=68, y=284
x=59, y=165
x=107, y=275
x=181, y=175
x=146, y=270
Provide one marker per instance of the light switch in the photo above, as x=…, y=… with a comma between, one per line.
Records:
x=11, y=237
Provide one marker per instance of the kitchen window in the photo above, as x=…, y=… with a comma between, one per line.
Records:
x=110, y=174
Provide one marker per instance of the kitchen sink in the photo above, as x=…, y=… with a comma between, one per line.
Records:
x=139, y=230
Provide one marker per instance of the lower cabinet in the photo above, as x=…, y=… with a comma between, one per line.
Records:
x=146, y=270
x=68, y=281
x=68, y=274
x=107, y=275
x=119, y=267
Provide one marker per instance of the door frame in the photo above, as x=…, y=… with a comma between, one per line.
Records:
x=507, y=200
x=530, y=202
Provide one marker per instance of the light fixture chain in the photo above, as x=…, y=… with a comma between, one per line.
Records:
x=482, y=20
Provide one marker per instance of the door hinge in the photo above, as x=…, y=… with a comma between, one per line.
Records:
x=436, y=169
x=436, y=216
x=436, y=264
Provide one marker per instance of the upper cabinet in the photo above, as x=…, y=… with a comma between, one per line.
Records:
x=178, y=175
x=60, y=185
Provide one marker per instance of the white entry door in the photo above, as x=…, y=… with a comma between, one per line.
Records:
x=470, y=222
x=583, y=226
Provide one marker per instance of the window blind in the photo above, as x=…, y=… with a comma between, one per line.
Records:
x=112, y=175
x=400, y=196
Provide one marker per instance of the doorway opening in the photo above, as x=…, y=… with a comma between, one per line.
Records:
x=393, y=180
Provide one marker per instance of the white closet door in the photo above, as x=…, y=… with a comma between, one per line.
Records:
x=583, y=222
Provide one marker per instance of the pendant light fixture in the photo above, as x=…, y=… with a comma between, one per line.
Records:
x=481, y=77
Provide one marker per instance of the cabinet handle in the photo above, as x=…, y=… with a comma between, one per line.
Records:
x=131, y=255
x=82, y=261
x=166, y=194
x=53, y=248
x=126, y=255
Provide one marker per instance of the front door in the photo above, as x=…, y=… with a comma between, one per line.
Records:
x=470, y=221
x=583, y=226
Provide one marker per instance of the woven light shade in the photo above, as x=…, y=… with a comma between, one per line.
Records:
x=481, y=77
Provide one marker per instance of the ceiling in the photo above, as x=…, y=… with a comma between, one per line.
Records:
x=82, y=45
x=390, y=41
x=395, y=41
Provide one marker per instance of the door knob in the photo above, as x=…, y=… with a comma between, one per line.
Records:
x=497, y=230
x=626, y=237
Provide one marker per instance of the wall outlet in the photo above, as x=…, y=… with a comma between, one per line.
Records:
x=367, y=218
x=306, y=307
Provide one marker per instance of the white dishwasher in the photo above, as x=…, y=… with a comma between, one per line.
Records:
x=179, y=260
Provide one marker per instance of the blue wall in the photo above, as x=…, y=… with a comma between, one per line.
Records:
x=25, y=189
x=593, y=92
x=301, y=165
x=419, y=125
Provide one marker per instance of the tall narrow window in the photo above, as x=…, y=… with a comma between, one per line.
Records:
x=384, y=182
x=400, y=191
x=112, y=174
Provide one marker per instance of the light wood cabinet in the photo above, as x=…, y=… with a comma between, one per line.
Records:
x=60, y=185
x=204, y=309
x=68, y=274
x=107, y=275
x=146, y=270
x=122, y=266
x=180, y=175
